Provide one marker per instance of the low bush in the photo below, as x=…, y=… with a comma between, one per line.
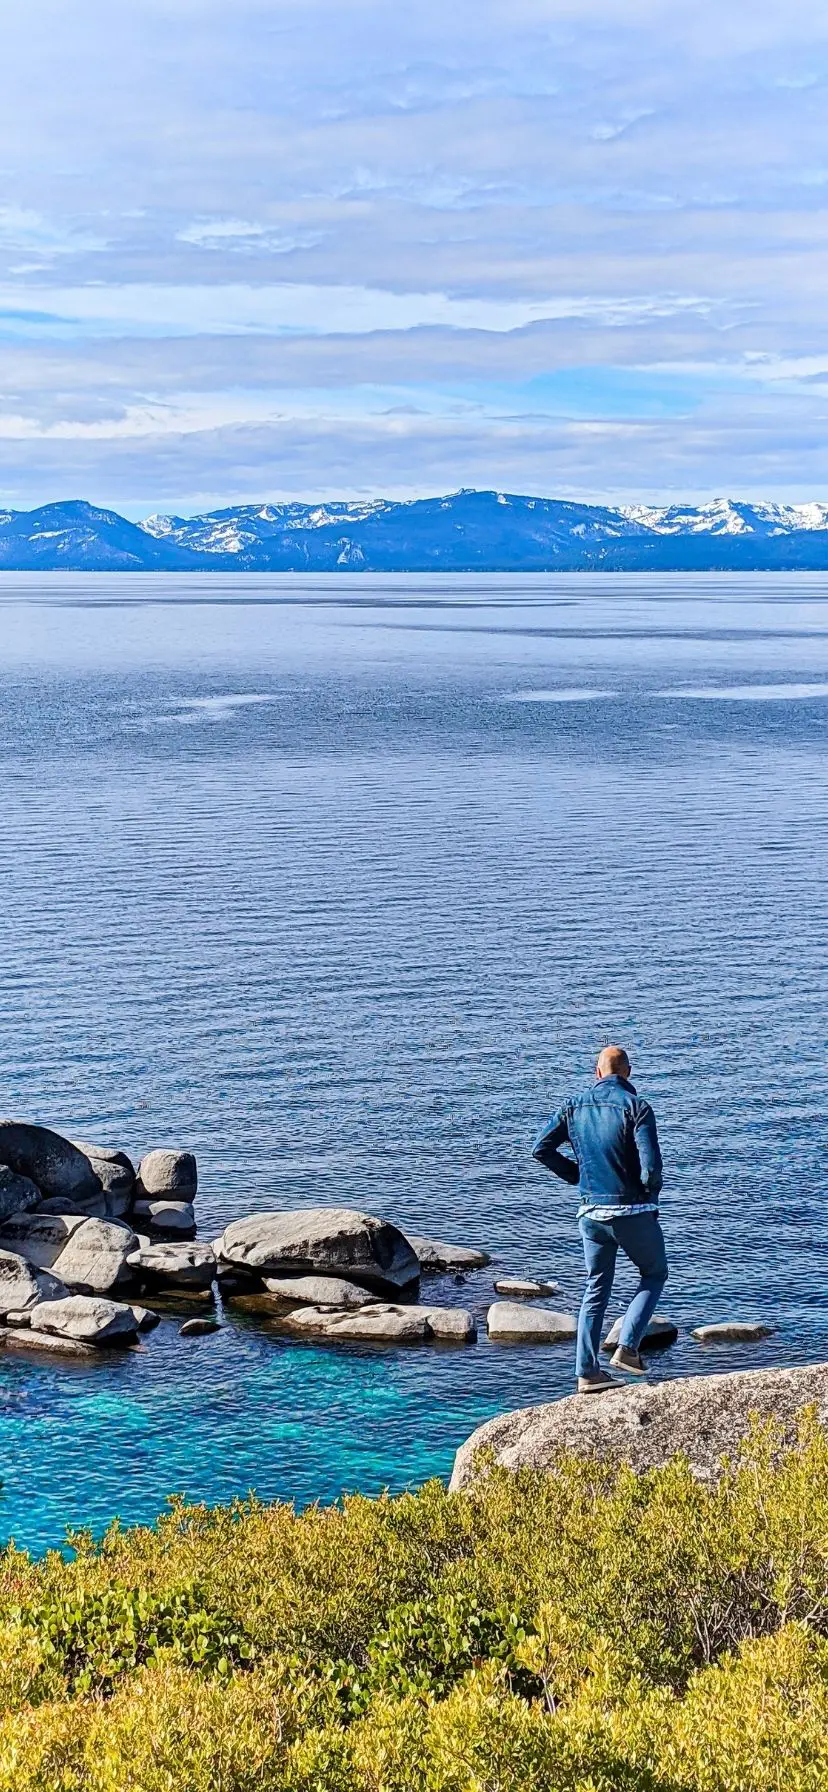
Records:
x=586, y=1631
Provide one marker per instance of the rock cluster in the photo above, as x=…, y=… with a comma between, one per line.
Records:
x=83, y=1233
x=70, y=1257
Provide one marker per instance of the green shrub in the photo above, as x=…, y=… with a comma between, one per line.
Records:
x=585, y=1631
x=92, y=1639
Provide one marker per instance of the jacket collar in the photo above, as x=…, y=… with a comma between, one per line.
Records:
x=622, y=1081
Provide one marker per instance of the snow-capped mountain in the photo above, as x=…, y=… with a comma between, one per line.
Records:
x=464, y=531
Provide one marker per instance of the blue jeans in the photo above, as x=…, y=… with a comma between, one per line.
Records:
x=640, y=1237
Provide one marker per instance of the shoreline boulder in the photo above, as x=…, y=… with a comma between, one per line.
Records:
x=165, y=1172
x=733, y=1331
x=162, y=1214
x=22, y=1286
x=89, y=1255
x=115, y=1176
x=52, y=1162
x=18, y=1194
x=337, y=1241
x=515, y=1322
x=701, y=1417
x=85, y=1320
x=659, y=1334
x=381, y=1322
x=437, y=1258
x=517, y=1288
x=319, y=1291
x=185, y=1266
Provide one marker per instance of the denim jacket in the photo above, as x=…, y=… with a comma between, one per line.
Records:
x=612, y=1132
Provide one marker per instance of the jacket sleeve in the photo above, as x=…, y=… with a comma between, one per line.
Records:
x=649, y=1151
x=545, y=1148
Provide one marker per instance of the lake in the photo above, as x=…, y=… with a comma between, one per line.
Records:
x=341, y=883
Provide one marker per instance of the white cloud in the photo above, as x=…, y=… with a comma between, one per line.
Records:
x=296, y=309
x=241, y=235
x=485, y=192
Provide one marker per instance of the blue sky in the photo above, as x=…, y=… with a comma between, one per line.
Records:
x=298, y=248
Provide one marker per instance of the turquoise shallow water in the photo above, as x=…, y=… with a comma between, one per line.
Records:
x=341, y=883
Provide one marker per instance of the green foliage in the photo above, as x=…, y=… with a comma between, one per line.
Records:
x=92, y=1638
x=585, y=1631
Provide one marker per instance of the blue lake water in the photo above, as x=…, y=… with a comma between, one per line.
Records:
x=341, y=883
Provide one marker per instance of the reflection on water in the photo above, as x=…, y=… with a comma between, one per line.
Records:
x=290, y=877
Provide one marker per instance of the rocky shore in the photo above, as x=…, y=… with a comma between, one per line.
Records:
x=704, y=1418
x=92, y=1246
x=86, y=1238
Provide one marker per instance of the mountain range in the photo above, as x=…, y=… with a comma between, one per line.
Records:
x=466, y=531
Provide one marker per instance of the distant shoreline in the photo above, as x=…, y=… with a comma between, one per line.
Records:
x=466, y=532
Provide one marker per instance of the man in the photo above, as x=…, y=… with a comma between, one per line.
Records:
x=618, y=1169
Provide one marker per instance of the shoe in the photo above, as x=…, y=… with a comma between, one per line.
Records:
x=629, y=1360
x=596, y=1382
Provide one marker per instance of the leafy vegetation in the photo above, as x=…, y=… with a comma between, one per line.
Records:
x=587, y=1631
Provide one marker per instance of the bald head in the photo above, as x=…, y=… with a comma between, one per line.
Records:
x=612, y=1061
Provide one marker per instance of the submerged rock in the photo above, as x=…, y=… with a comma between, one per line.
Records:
x=53, y=1163
x=513, y=1288
x=732, y=1331
x=530, y=1325
x=198, y=1328
x=437, y=1258
x=320, y=1291
x=85, y=1319
x=703, y=1418
x=167, y=1172
x=334, y=1241
x=17, y=1338
x=660, y=1332
x=381, y=1322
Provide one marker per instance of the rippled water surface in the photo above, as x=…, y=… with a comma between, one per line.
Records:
x=340, y=884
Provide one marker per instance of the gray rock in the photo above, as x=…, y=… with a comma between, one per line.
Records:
x=22, y=1286
x=93, y=1208
x=514, y=1289
x=735, y=1331
x=174, y=1265
x=89, y=1255
x=145, y=1320
x=164, y=1215
x=381, y=1322
x=16, y=1338
x=39, y=1237
x=198, y=1328
x=115, y=1177
x=94, y=1261
x=704, y=1418
x=85, y=1319
x=326, y=1241
x=451, y=1323
x=319, y=1291
x=437, y=1258
x=47, y=1159
x=168, y=1173
x=530, y=1325
x=660, y=1332
x=17, y=1193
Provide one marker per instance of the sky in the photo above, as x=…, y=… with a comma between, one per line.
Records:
x=340, y=248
